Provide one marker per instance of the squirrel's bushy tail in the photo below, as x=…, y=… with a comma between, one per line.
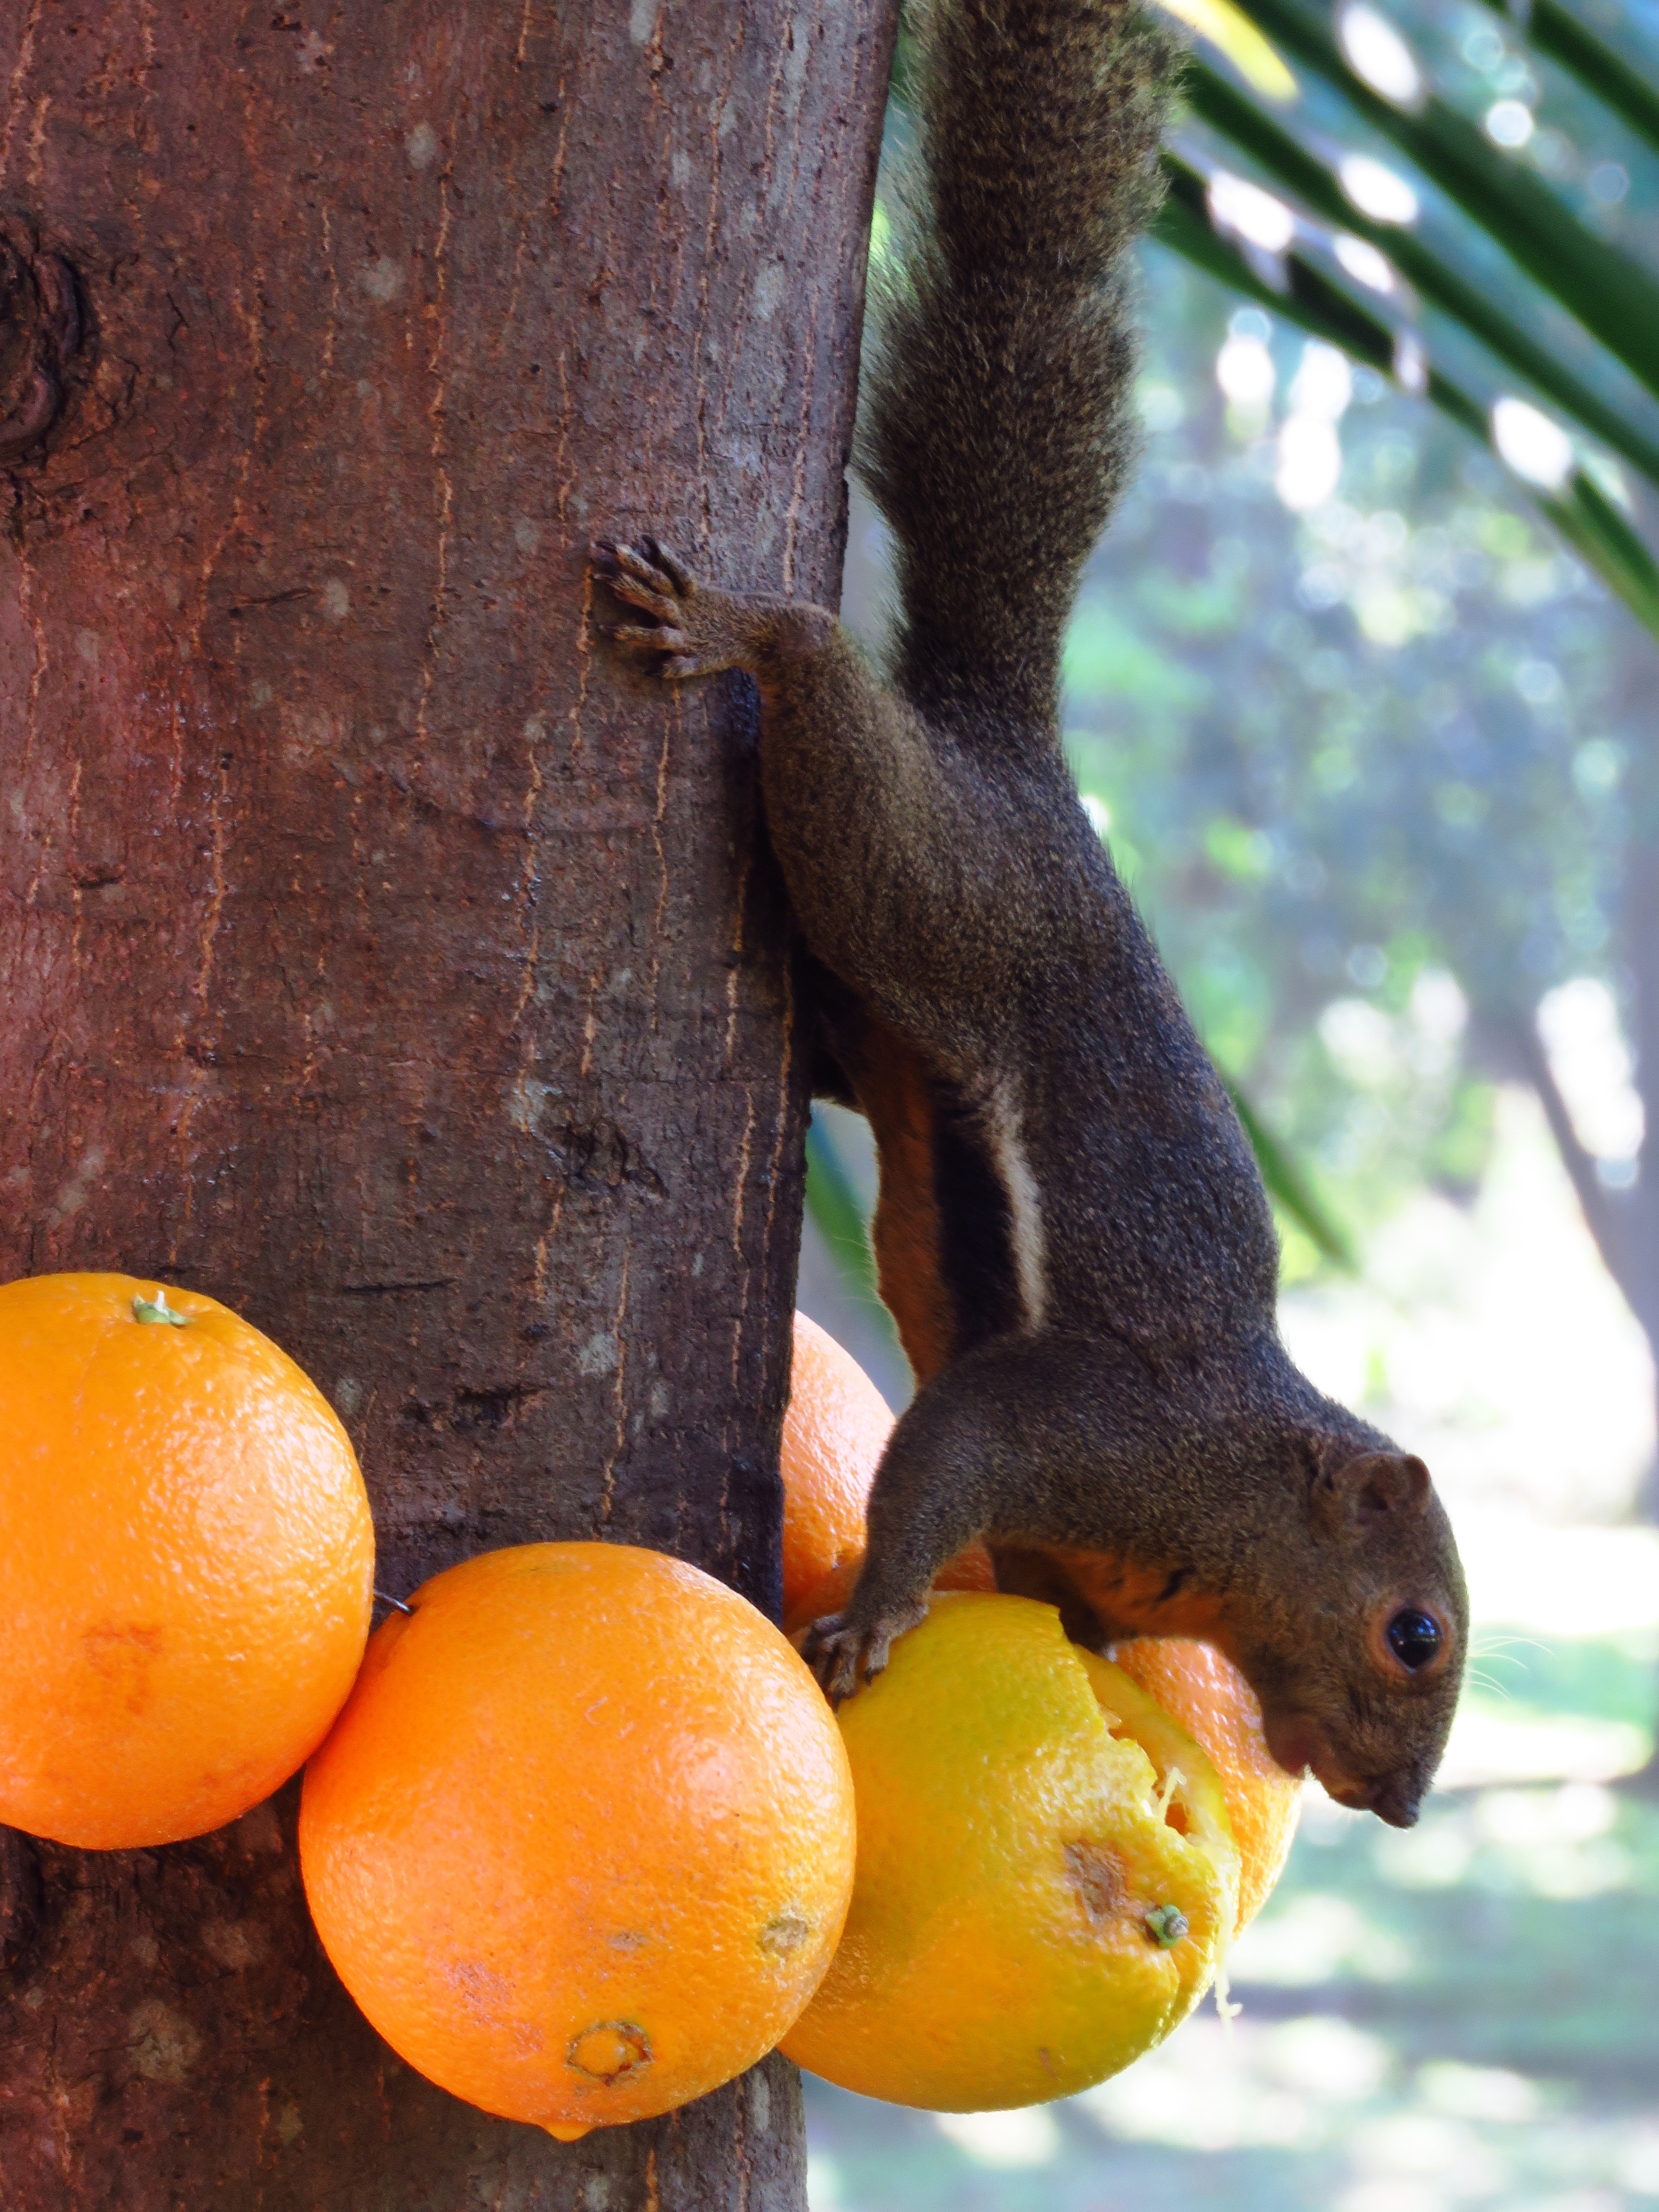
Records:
x=997, y=423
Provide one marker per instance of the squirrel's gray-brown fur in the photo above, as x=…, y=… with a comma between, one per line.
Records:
x=1072, y=1231
x=997, y=423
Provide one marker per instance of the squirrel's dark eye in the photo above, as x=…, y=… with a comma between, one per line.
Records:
x=1413, y=1638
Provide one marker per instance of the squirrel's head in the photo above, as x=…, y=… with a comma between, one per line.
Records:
x=1360, y=1656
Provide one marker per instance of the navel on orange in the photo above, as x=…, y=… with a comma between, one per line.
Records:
x=186, y=1559
x=1046, y=1881
x=582, y=1842
x=835, y=1431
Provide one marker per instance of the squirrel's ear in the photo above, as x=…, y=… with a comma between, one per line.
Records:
x=1370, y=1487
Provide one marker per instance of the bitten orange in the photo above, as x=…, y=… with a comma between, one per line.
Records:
x=1195, y=1685
x=582, y=1843
x=1202, y=1690
x=186, y=1562
x=1046, y=1881
x=835, y=1430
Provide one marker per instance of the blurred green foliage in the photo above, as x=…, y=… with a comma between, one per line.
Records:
x=1465, y=201
x=1367, y=768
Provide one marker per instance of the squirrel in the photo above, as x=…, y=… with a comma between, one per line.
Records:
x=1072, y=1231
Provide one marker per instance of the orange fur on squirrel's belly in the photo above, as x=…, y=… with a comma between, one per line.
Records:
x=893, y=1089
x=1125, y=1600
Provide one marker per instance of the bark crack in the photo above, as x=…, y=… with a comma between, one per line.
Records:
x=608, y=1481
x=672, y=722
x=15, y=95
x=435, y=369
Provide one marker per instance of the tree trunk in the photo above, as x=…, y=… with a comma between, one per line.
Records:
x=375, y=955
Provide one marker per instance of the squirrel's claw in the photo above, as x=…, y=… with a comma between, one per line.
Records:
x=657, y=583
x=614, y=555
x=842, y=1656
x=835, y=1655
x=690, y=640
x=675, y=571
x=663, y=639
x=659, y=587
x=646, y=597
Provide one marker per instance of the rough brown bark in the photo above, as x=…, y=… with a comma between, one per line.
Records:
x=372, y=954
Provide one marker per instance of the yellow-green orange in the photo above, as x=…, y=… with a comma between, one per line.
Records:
x=582, y=1843
x=186, y=1562
x=1045, y=1876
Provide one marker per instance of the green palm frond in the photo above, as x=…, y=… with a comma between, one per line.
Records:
x=1288, y=1187
x=1480, y=286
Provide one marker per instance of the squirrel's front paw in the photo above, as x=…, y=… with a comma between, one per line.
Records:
x=647, y=576
x=842, y=1655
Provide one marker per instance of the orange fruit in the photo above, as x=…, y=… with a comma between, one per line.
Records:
x=835, y=1430
x=1202, y=1689
x=1195, y=1684
x=582, y=1842
x=1046, y=1882
x=186, y=1562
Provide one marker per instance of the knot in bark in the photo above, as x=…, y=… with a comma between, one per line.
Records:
x=39, y=334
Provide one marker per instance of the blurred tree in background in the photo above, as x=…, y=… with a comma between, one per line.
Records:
x=1465, y=825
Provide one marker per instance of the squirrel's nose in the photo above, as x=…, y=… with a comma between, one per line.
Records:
x=1397, y=1800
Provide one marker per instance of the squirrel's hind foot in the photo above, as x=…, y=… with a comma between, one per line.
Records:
x=649, y=577
x=843, y=1654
